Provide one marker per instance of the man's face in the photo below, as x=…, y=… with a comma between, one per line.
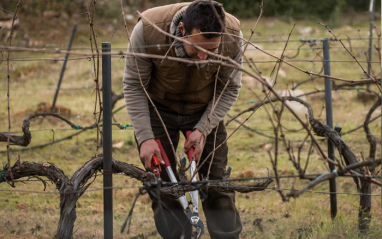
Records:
x=198, y=39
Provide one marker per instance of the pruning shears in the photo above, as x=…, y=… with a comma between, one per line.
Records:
x=193, y=216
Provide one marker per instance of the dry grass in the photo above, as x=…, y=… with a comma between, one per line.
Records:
x=264, y=215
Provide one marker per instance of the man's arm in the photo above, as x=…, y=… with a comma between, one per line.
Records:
x=136, y=99
x=227, y=99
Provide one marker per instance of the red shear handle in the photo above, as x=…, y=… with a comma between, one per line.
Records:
x=191, y=151
x=155, y=165
x=163, y=153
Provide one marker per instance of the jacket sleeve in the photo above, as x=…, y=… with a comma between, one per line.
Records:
x=135, y=98
x=227, y=99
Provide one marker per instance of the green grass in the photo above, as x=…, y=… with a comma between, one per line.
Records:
x=264, y=215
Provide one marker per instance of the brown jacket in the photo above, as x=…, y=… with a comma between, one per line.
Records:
x=141, y=70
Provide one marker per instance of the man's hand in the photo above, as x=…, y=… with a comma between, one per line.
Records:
x=192, y=141
x=148, y=149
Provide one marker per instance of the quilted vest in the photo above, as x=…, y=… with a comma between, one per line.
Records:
x=184, y=89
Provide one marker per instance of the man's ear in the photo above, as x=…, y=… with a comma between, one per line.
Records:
x=182, y=29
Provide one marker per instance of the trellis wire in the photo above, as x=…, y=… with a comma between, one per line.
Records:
x=199, y=182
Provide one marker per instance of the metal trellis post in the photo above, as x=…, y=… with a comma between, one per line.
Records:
x=371, y=11
x=107, y=145
x=329, y=121
x=63, y=67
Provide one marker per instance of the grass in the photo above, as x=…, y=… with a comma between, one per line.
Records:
x=264, y=215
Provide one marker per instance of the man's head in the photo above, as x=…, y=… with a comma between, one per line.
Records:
x=202, y=16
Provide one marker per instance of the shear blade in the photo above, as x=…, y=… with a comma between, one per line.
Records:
x=199, y=226
x=199, y=232
x=196, y=222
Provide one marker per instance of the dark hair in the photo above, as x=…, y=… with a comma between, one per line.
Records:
x=201, y=15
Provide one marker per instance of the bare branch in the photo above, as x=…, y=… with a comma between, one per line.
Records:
x=364, y=71
x=369, y=136
x=339, y=172
x=8, y=93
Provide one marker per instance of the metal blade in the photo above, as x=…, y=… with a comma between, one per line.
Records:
x=199, y=232
x=199, y=228
x=195, y=221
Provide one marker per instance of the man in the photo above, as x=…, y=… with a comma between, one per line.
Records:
x=184, y=93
